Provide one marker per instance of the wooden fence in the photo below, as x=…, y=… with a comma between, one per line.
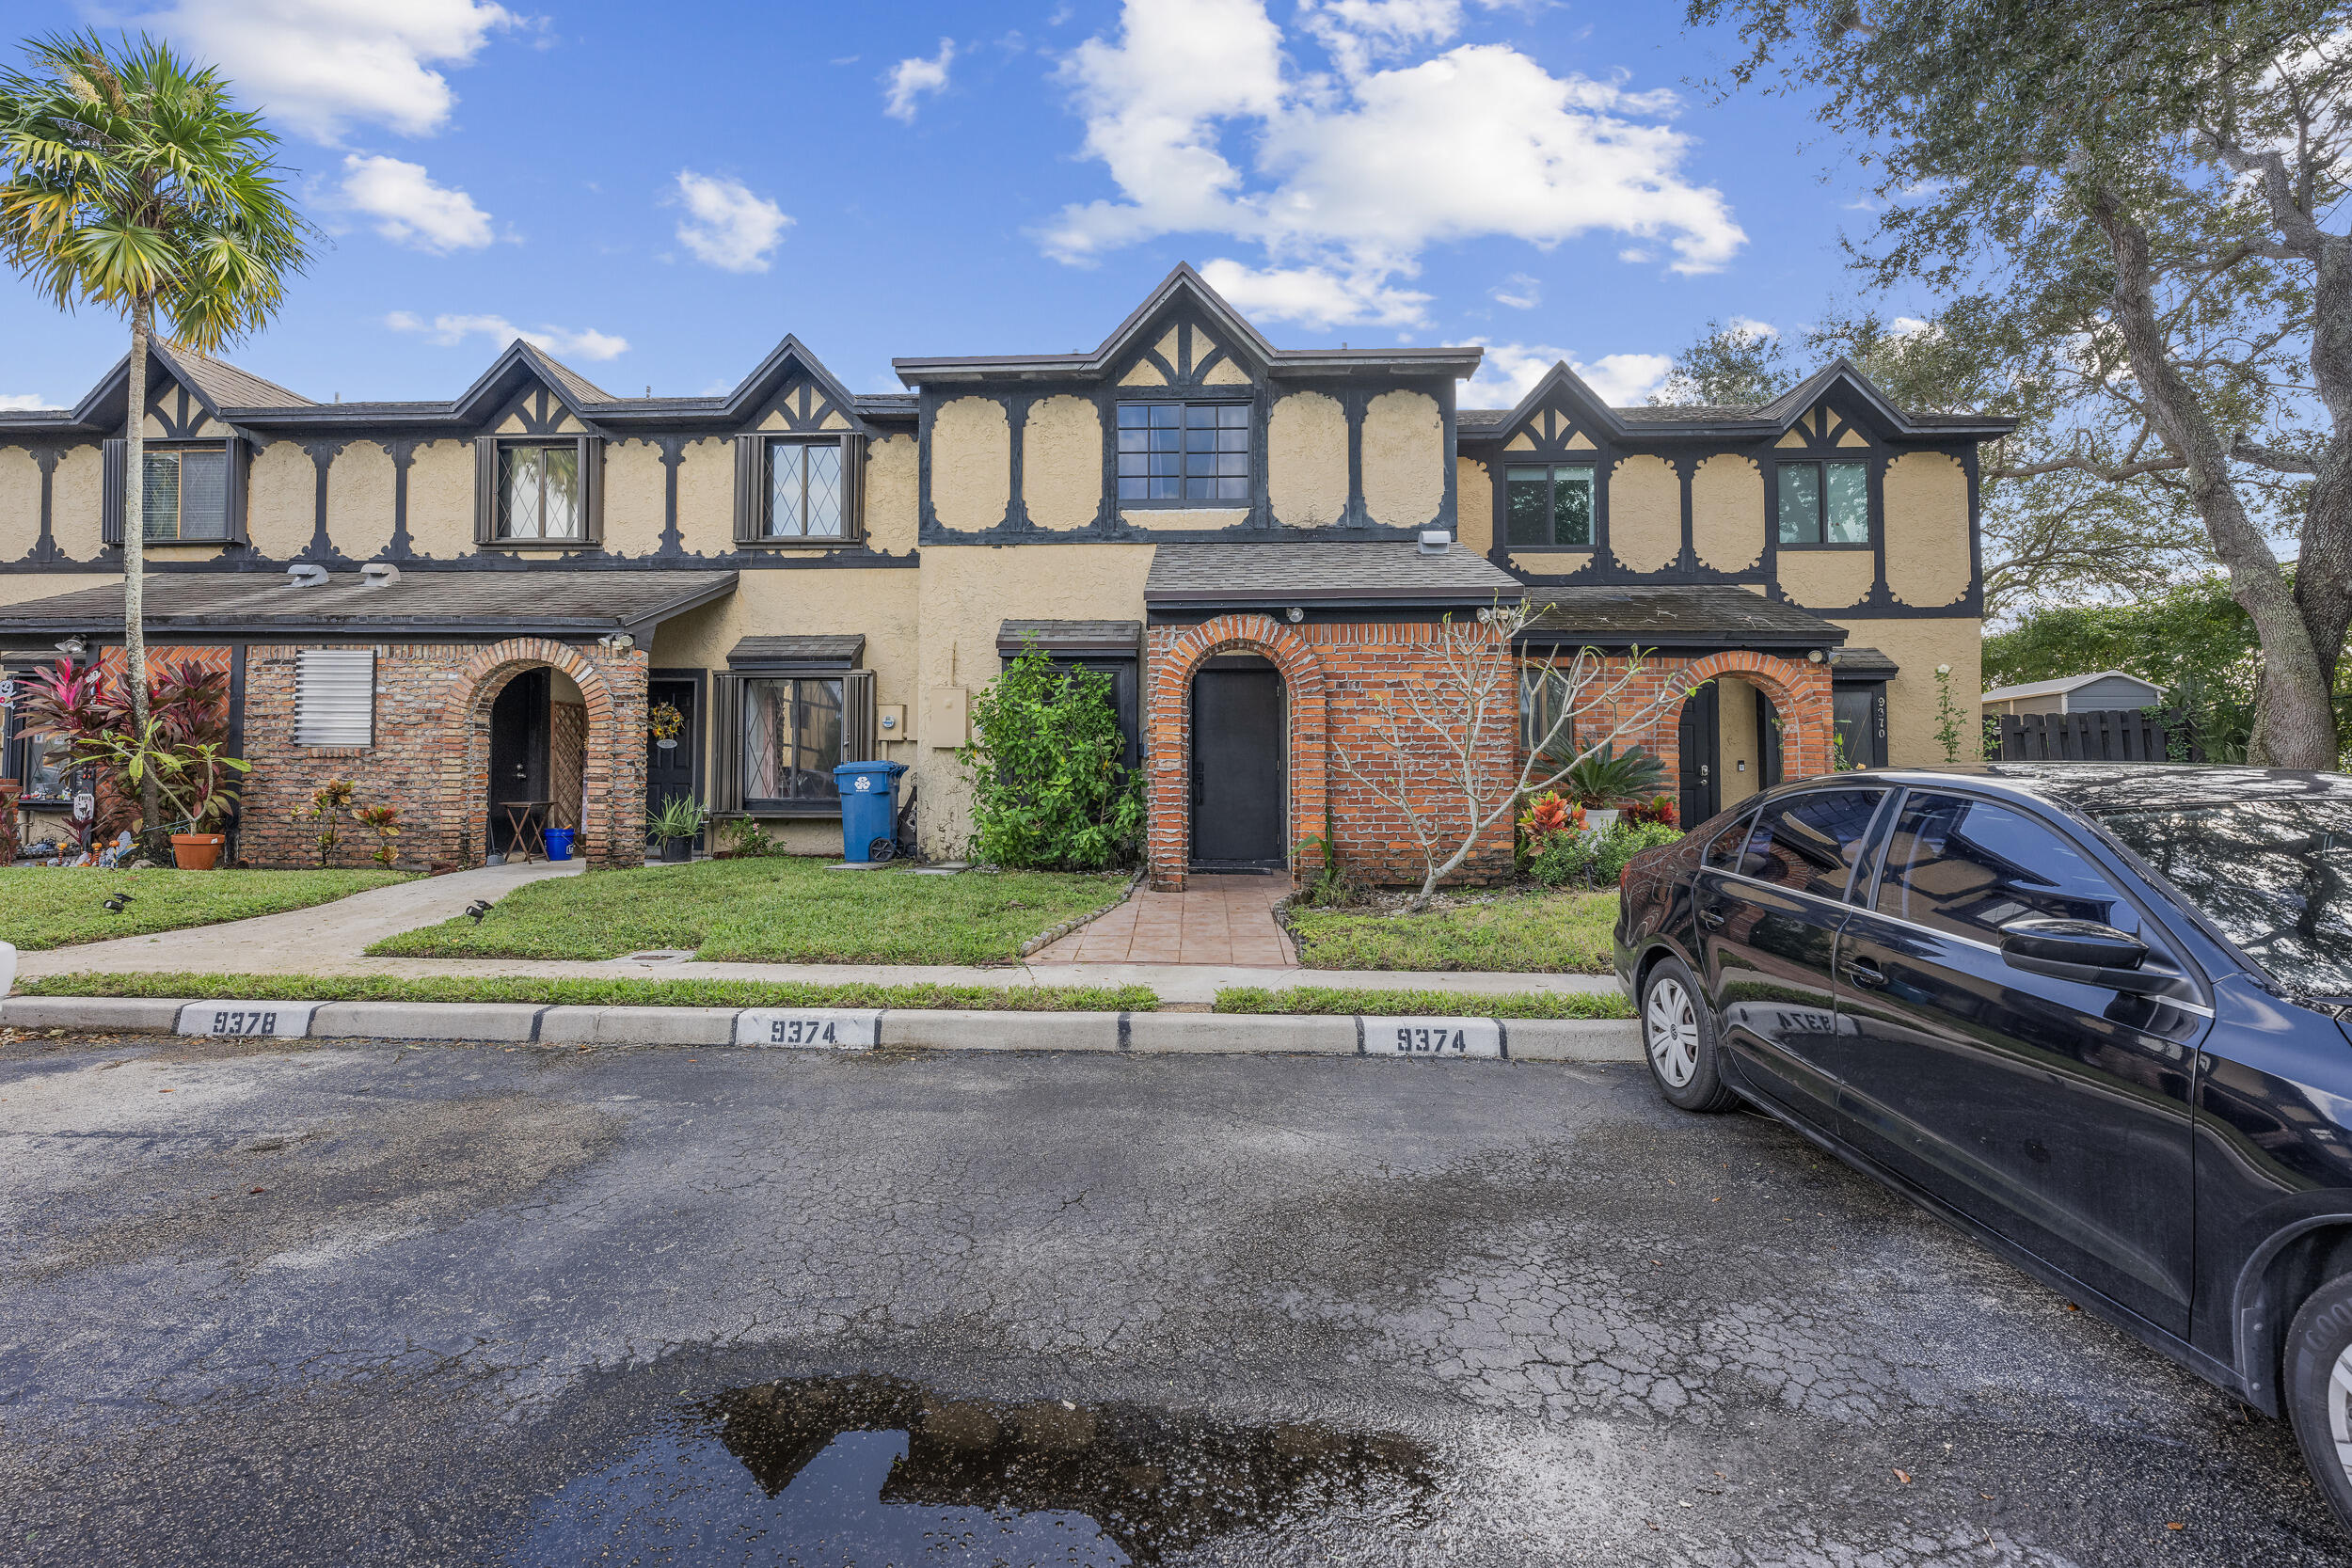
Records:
x=2121, y=734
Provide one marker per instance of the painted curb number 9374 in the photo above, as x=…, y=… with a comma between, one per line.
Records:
x=1446, y=1038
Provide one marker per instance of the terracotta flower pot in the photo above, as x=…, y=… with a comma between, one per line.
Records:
x=197, y=852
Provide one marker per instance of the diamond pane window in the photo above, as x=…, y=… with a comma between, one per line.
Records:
x=792, y=739
x=803, y=490
x=539, y=492
x=1183, y=452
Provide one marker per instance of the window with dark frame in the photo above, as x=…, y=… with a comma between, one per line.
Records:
x=1548, y=504
x=1183, y=452
x=804, y=491
x=37, y=763
x=1543, y=697
x=794, y=736
x=539, y=491
x=1824, y=503
x=183, y=494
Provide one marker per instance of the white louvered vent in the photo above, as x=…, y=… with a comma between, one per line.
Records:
x=335, y=697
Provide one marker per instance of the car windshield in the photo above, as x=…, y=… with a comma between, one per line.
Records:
x=2275, y=876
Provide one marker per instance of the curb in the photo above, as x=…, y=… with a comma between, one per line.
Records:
x=944, y=1029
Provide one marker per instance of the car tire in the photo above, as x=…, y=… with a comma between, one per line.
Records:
x=1679, y=1039
x=2319, y=1343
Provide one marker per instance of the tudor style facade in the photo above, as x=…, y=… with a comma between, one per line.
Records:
x=1236, y=532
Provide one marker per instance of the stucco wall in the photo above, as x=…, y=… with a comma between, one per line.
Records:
x=971, y=462
x=1735, y=741
x=1727, y=513
x=1474, y=506
x=706, y=496
x=892, y=520
x=359, y=485
x=282, y=500
x=440, y=499
x=1305, y=455
x=1644, y=513
x=1919, y=646
x=17, y=587
x=1166, y=519
x=1927, y=529
x=1062, y=463
x=1827, y=580
x=634, y=488
x=19, y=503
x=1403, y=457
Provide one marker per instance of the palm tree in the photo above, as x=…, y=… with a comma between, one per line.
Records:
x=128, y=180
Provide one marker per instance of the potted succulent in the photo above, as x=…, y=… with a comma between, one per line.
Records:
x=665, y=723
x=678, y=824
x=1601, y=781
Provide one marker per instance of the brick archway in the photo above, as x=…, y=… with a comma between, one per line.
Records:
x=612, y=770
x=1799, y=690
x=1177, y=655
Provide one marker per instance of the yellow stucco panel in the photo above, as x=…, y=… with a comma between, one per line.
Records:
x=1404, y=459
x=1927, y=529
x=1474, y=506
x=18, y=587
x=1580, y=442
x=1850, y=436
x=1738, y=747
x=1827, y=580
x=19, y=503
x=1305, y=456
x=1918, y=646
x=199, y=427
x=1521, y=442
x=1143, y=373
x=1173, y=519
x=1795, y=438
x=636, y=490
x=282, y=500
x=706, y=496
x=440, y=499
x=835, y=421
x=359, y=499
x=1062, y=463
x=1727, y=513
x=1224, y=373
x=1644, y=513
x=892, y=521
x=971, y=462
x=1551, y=562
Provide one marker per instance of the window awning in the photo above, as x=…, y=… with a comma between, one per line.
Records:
x=1323, y=575
x=794, y=654
x=1103, y=639
x=1687, y=615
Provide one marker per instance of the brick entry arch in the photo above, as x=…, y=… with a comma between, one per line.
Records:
x=612, y=768
x=1177, y=655
x=1799, y=690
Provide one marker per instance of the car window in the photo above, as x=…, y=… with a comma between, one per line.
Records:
x=2274, y=874
x=1969, y=867
x=1809, y=842
x=1722, y=851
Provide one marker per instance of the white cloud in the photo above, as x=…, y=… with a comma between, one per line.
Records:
x=1518, y=291
x=24, y=400
x=451, y=330
x=1509, y=369
x=1313, y=296
x=1910, y=327
x=725, y=225
x=320, y=66
x=1357, y=175
x=1749, y=330
x=409, y=209
x=910, y=79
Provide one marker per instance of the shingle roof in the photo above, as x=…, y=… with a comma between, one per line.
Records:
x=1862, y=661
x=1071, y=634
x=577, y=385
x=805, y=648
x=1680, y=614
x=1282, y=572
x=467, y=603
x=2066, y=683
x=229, y=386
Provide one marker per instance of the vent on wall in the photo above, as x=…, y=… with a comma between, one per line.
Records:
x=335, y=697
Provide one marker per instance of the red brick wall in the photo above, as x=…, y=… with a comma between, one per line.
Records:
x=431, y=756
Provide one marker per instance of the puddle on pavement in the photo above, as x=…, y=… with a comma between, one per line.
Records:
x=860, y=1472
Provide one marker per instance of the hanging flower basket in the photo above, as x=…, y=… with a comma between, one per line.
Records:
x=665, y=723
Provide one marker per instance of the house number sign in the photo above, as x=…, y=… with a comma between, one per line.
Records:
x=248, y=1020
x=809, y=1028
x=1432, y=1036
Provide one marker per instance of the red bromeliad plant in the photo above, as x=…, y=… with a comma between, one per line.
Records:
x=187, y=729
x=1660, y=809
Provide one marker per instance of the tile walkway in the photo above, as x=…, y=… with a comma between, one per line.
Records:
x=1215, y=920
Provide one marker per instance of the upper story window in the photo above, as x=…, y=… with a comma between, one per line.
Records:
x=1824, y=503
x=539, y=491
x=805, y=492
x=183, y=494
x=1183, y=452
x=1549, y=504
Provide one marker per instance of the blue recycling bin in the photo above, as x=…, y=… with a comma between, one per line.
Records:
x=869, y=809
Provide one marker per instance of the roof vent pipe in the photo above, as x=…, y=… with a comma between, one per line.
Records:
x=1435, y=540
x=378, y=574
x=308, y=574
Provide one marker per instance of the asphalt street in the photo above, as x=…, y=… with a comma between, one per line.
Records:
x=375, y=1304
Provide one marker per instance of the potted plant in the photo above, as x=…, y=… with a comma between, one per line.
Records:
x=665, y=723
x=204, y=793
x=677, y=825
x=1601, y=781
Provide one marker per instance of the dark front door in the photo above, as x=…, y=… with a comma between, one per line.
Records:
x=1237, y=786
x=1861, y=717
x=1697, y=745
x=2054, y=1112
x=670, y=771
x=518, y=749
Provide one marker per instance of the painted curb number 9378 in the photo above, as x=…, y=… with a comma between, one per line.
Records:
x=248, y=1020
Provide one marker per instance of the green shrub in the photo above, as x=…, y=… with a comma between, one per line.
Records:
x=1049, y=790
x=1596, y=858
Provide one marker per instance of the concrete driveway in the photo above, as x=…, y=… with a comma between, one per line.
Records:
x=376, y=1304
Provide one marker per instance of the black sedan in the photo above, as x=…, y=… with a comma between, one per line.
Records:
x=2100, y=1017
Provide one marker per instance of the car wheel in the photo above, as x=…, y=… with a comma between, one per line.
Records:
x=2318, y=1390
x=1679, y=1039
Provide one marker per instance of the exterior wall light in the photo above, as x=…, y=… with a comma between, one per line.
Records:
x=1817, y=657
x=616, y=642
x=74, y=647
x=1294, y=615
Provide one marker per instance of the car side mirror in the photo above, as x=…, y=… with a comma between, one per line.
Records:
x=2080, y=950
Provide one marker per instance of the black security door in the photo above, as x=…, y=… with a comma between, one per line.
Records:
x=518, y=749
x=1697, y=745
x=670, y=771
x=1237, y=790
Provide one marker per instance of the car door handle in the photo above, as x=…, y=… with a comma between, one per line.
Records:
x=1712, y=915
x=1862, y=972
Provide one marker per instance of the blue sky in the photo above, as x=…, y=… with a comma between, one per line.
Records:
x=658, y=193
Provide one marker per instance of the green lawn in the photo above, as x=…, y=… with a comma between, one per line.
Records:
x=776, y=910
x=46, y=907
x=1530, y=933
x=1447, y=1004
x=618, y=991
